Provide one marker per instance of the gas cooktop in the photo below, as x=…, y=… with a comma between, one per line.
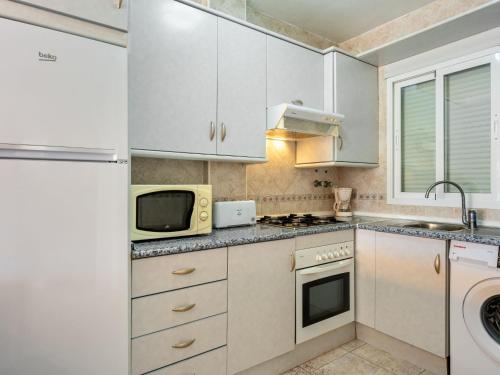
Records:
x=297, y=221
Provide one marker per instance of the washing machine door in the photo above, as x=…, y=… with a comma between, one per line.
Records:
x=481, y=311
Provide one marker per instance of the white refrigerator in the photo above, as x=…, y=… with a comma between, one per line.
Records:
x=64, y=251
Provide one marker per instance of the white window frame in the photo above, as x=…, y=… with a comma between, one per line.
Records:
x=437, y=73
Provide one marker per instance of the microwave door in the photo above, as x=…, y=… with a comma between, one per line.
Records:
x=165, y=211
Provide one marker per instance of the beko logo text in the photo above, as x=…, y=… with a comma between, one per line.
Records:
x=46, y=57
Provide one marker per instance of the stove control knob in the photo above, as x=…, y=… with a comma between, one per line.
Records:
x=336, y=254
x=347, y=252
x=342, y=253
x=330, y=255
x=324, y=257
x=318, y=258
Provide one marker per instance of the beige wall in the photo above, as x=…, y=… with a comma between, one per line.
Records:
x=412, y=22
x=373, y=182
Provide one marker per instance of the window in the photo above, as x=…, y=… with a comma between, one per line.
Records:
x=443, y=127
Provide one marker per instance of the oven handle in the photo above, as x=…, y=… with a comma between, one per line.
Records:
x=326, y=268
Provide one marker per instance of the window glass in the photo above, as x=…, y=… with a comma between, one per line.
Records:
x=418, y=136
x=467, y=119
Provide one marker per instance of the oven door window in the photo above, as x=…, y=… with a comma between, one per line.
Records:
x=165, y=211
x=325, y=298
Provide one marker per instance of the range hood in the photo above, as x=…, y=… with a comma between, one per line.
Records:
x=292, y=122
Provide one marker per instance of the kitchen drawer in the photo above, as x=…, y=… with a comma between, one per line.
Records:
x=211, y=363
x=157, y=350
x=156, y=312
x=169, y=272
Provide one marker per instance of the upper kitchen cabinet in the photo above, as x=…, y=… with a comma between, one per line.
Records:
x=197, y=84
x=351, y=89
x=241, y=104
x=294, y=74
x=112, y=13
x=172, y=78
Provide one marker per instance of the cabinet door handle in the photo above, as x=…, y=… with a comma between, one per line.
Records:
x=183, y=344
x=437, y=264
x=292, y=261
x=223, y=131
x=184, y=271
x=341, y=142
x=212, y=130
x=184, y=308
x=119, y=4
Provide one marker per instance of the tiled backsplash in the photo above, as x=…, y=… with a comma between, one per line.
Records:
x=276, y=186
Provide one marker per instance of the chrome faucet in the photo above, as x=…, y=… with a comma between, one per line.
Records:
x=469, y=217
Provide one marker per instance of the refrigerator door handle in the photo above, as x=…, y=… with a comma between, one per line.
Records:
x=10, y=151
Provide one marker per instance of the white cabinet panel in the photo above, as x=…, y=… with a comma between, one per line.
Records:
x=241, y=91
x=261, y=303
x=411, y=295
x=293, y=73
x=106, y=12
x=365, y=277
x=59, y=89
x=355, y=95
x=172, y=77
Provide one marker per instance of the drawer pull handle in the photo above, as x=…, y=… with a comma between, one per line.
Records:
x=119, y=4
x=184, y=271
x=184, y=308
x=183, y=344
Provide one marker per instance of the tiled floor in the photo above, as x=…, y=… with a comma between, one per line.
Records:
x=357, y=358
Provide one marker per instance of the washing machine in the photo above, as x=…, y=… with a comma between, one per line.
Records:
x=474, y=309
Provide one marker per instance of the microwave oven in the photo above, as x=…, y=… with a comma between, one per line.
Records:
x=163, y=211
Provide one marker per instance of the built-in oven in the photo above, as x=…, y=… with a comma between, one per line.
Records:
x=325, y=289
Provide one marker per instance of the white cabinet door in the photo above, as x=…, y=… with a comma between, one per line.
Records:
x=107, y=12
x=261, y=303
x=172, y=77
x=411, y=290
x=59, y=89
x=293, y=73
x=65, y=268
x=241, y=91
x=355, y=95
x=365, y=277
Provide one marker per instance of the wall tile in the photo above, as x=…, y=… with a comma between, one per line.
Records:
x=168, y=171
x=228, y=180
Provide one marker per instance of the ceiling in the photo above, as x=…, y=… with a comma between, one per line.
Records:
x=337, y=20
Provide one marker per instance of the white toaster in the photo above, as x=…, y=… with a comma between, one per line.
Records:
x=233, y=213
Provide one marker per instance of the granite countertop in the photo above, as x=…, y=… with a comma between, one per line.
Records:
x=261, y=233
x=233, y=237
x=482, y=235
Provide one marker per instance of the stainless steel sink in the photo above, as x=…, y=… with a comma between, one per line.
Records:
x=436, y=226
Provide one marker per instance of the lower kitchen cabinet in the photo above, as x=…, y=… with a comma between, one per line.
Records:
x=210, y=363
x=151, y=352
x=411, y=290
x=365, y=277
x=261, y=303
